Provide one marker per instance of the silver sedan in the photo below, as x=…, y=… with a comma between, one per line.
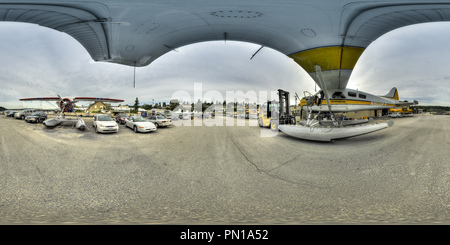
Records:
x=160, y=121
x=139, y=124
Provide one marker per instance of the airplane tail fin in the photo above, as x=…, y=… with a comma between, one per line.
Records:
x=392, y=94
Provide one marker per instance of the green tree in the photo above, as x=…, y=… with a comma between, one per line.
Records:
x=173, y=105
x=147, y=106
x=136, y=105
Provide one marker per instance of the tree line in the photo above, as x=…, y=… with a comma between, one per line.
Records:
x=432, y=108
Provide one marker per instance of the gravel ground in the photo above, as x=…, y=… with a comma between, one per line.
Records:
x=224, y=175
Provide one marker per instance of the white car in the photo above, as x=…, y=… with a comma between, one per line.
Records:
x=105, y=124
x=139, y=124
x=394, y=114
x=160, y=121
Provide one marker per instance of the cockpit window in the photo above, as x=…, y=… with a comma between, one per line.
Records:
x=338, y=95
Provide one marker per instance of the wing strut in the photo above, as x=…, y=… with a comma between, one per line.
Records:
x=325, y=91
x=256, y=52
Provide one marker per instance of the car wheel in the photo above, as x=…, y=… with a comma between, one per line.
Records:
x=156, y=125
x=96, y=130
x=135, y=129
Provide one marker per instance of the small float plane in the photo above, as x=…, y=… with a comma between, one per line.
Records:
x=331, y=101
x=67, y=105
x=403, y=108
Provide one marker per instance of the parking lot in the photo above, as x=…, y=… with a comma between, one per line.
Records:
x=223, y=175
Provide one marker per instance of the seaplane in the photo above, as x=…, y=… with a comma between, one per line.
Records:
x=322, y=124
x=326, y=103
x=67, y=105
x=403, y=108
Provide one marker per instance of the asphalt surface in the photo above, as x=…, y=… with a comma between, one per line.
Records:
x=224, y=175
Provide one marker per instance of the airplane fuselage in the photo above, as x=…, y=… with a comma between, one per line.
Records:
x=345, y=100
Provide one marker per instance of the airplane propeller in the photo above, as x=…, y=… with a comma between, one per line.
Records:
x=65, y=104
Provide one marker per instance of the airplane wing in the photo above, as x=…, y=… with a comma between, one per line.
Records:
x=42, y=99
x=97, y=99
x=407, y=103
x=331, y=34
x=76, y=99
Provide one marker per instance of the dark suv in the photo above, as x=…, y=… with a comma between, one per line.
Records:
x=37, y=117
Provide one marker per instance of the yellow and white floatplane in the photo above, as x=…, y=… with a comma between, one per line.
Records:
x=322, y=124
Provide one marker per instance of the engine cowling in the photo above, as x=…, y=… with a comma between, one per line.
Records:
x=66, y=105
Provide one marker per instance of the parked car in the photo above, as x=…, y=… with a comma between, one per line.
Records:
x=104, y=124
x=160, y=121
x=394, y=114
x=185, y=116
x=120, y=118
x=24, y=113
x=10, y=113
x=139, y=124
x=36, y=117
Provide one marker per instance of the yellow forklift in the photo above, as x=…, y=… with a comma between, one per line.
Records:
x=274, y=113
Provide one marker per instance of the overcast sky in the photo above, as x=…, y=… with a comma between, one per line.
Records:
x=40, y=62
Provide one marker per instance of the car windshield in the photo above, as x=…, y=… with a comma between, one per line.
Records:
x=36, y=114
x=139, y=119
x=104, y=118
x=161, y=117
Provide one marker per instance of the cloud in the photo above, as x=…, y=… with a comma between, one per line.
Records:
x=42, y=62
x=414, y=59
